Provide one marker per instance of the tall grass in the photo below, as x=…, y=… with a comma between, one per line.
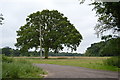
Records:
x=113, y=61
x=0, y=66
x=20, y=69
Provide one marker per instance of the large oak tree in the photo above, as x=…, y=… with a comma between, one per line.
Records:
x=56, y=32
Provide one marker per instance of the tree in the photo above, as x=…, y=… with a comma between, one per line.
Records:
x=111, y=48
x=56, y=32
x=6, y=51
x=1, y=19
x=108, y=16
x=106, y=37
x=108, y=20
x=94, y=49
x=108, y=47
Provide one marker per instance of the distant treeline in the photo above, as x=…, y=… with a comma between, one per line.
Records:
x=7, y=51
x=109, y=47
x=64, y=54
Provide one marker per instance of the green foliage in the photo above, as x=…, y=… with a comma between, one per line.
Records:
x=95, y=48
x=1, y=19
x=111, y=48
x=6, y=59
x=6, y=51
x=104, y=48
x=106, y=37
x=15, y=53
x=108, y=16
x=19, y=69
x=56, y=32
x=64, y=54
x=113, y=61
x=0, y=66
x=9, y=51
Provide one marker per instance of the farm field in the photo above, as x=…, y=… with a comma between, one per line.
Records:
x=87, y=62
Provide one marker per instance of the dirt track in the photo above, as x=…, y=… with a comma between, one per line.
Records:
x=59, y=71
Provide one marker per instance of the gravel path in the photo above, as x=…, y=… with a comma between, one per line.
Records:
x=59, y=71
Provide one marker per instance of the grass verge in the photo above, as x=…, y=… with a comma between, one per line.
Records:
x=88, y=62
x=0, y=66
x=20, y=68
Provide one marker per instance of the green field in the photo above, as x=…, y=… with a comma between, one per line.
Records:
x=87, y=62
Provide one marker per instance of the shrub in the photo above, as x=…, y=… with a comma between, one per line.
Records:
x=6, y=59
x=113, y=61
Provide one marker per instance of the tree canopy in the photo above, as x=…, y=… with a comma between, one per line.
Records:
x=56, y=32
x=108, y=47
x=7, y=51
x=108, y=16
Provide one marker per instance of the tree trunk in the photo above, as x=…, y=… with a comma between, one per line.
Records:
x=46, y=53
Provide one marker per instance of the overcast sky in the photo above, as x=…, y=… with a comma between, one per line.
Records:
x=16, y=11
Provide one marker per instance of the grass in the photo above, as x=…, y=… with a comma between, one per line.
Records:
x=0, y=66
x=113, y=61
x=87, y=62
x=20, y=68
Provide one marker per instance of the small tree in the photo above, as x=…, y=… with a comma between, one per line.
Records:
x=56, y=32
